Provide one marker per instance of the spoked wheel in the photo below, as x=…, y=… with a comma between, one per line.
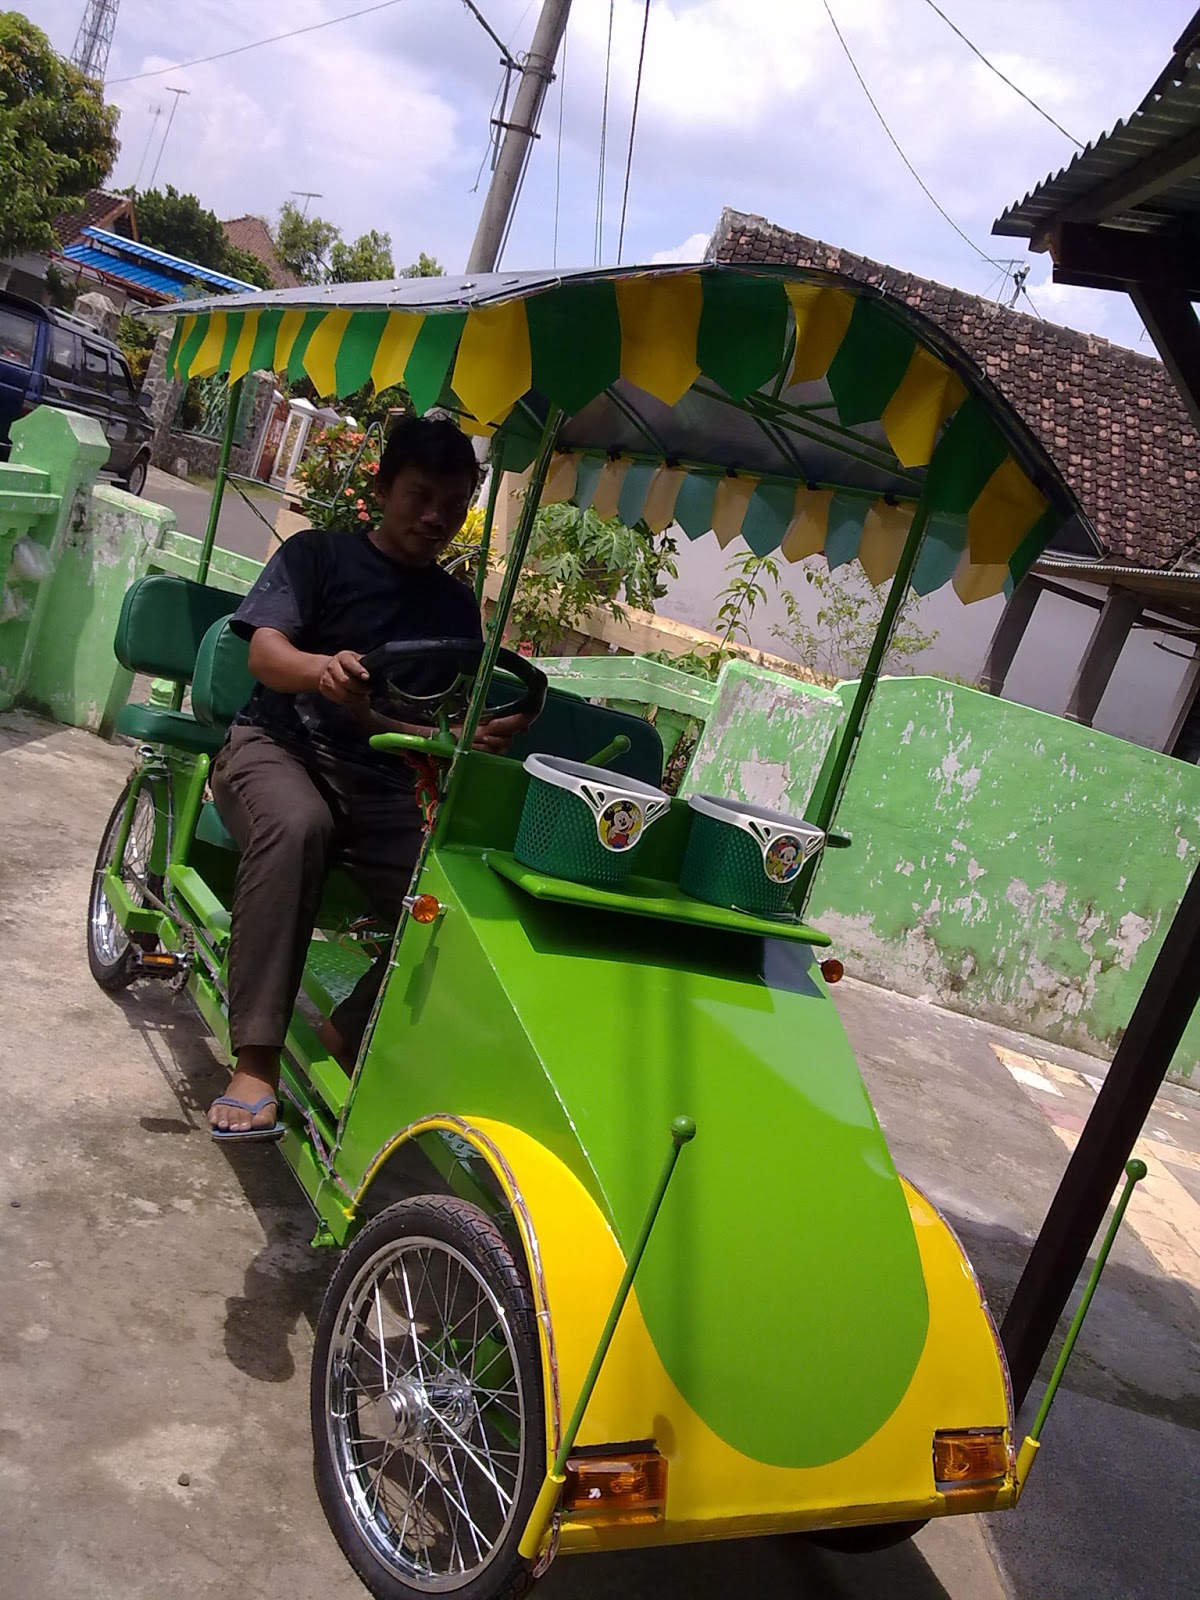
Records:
x=112, y=953
x=427, y=1408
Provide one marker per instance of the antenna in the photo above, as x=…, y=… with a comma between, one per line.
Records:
x=167, y=135
x=306, y=195
x=94, y=39
x=155, y=113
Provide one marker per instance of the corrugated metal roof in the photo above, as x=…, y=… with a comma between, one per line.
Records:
x=184, y=271
x=131, y=272
x=1168, y=114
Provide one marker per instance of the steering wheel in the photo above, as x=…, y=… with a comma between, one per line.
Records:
x=390, y=664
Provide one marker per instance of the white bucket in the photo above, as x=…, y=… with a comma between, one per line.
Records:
x=786, y=842
x=623, y=807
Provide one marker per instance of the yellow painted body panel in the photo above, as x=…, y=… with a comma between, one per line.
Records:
x=715, y=1491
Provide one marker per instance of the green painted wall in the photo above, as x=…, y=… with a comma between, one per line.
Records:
x=1006, y=863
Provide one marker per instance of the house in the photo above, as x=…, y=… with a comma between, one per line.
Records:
x=253, y=235
x=1124, y=440
x=112, y=212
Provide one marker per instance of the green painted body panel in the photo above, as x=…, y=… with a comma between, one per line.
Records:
x=782, y=1286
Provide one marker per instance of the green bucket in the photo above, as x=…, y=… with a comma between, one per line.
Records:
x=744, y=857
x=582, y=822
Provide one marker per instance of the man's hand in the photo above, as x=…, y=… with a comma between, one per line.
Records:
x=343, y=679
x=496, y=734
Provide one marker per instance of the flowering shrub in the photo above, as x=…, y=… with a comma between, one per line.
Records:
x=337, y=477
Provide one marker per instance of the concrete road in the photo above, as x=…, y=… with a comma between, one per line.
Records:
x=239, y=529
x=160, y=1293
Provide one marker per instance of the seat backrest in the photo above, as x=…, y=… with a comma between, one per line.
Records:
x=163, y=620
x=578, y=730
x=223, y=681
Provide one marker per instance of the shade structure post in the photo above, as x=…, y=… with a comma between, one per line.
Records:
x=218, y=494
x=1105, y=1144
x=512, y=572
x=489, y=518
x=826, y=797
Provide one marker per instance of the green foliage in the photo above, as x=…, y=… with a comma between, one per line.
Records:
x=704, y=664
x=742, y=596
x=58, y=139
x=316, y=252
x=848, y=616
x=578, y=561
x=61, y=291
x=136, y=342
x=423, y=267
x=367, y=260
x=303, y=243
x=180, y=225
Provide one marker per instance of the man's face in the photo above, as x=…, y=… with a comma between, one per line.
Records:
x=422, y=511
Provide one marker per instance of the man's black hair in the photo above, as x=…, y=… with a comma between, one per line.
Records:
x=434, y=444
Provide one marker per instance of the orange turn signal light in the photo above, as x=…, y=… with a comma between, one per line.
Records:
x=630, y=1488
x=832, y=970
x=425, y=908
x=972, y=1458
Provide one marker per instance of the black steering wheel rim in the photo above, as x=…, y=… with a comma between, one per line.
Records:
x=466, y=654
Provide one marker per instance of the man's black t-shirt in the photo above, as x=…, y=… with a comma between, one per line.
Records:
x=328, y=591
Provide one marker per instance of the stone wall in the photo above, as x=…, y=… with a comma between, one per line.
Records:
x=200, y=452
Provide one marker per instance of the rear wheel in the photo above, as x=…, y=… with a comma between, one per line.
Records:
x=427, y=1413
x=113, y=953
x=136, y=481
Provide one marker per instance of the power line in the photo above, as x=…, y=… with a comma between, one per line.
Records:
x=993, y=68
x=612, y=6
x=928, y=193
x=222, y=55
x=637, y=95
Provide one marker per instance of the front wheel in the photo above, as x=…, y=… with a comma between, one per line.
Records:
x=112, y=953
x=136, y=481
x=427, y=1412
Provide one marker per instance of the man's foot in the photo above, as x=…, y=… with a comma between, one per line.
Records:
x=249, y=1084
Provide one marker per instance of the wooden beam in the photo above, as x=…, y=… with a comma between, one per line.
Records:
x=1113, y=258
x=1171, y=322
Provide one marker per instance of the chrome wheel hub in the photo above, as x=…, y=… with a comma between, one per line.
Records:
x=410, y=1411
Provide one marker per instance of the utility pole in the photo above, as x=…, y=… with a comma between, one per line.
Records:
x=167, y=135
x=155, y=113
x=537, y=73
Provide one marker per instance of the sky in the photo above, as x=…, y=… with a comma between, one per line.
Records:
x=749, y=104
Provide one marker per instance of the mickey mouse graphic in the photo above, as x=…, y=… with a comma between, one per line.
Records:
x=622, y=824
x=783, y=859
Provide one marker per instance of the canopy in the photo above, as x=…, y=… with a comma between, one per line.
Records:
x=806, y=411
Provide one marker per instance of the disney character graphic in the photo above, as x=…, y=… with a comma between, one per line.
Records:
x=620, y=825
x=784, y=858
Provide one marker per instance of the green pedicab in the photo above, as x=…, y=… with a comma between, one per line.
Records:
x=587, y=974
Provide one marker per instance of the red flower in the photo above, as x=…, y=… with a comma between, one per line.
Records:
x=364, y=516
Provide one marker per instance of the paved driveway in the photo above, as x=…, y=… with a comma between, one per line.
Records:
x=160, y=1292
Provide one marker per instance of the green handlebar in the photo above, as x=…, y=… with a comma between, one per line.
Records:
x=610, y=752
x=437, y=744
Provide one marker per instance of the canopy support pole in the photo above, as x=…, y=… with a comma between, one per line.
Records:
x=513, y=560
x=831, y=782
x=489, y=517
x=218, y=494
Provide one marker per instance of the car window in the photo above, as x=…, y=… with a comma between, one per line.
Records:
x=95, y=367
x=119, y=382
x=18, y=335
x=60, y=363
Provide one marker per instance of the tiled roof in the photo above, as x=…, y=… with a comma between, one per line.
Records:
x=1110, y=417
x=252, y=234
x=100, y=210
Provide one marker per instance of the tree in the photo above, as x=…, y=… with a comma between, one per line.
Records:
x=423, y=267
x=367, y=260
x=58, y=139
x=180, y=225
x=303, y=243
x=848, y=615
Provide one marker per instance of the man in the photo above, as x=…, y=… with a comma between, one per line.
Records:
x=297, y=783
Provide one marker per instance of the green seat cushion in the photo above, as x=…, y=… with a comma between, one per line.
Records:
x=578, y=730
x=211, y=830
x=222, y=683
x=149, y=725
x=163, y=620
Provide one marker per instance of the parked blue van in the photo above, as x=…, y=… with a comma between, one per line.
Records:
x=50, y=358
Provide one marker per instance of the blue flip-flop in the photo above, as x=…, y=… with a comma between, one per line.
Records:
x=248, y=1135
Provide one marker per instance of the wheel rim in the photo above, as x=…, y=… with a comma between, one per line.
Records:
x=109, y=939
x=426, y=1414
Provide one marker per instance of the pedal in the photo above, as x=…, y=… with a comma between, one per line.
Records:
x=162, y=964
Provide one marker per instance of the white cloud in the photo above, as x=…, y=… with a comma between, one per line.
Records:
x=693, y=248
